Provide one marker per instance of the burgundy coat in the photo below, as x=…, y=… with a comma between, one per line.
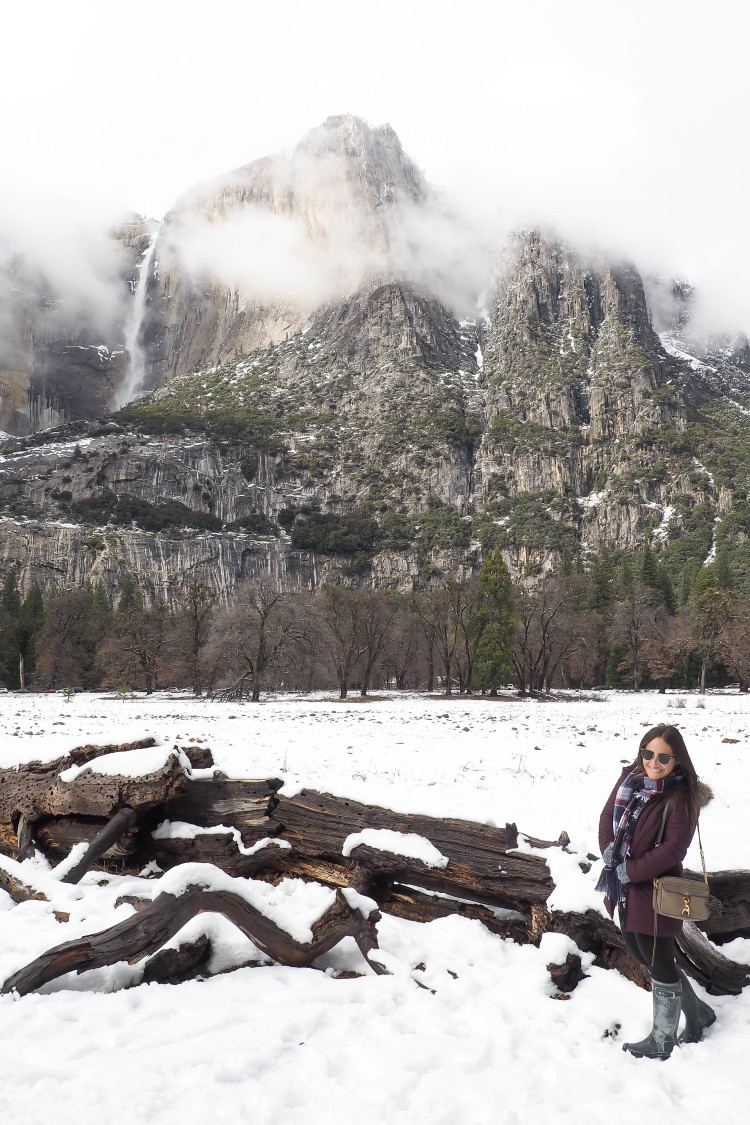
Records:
x=646, y=862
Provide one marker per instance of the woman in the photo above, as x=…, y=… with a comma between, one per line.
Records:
x=661, y=778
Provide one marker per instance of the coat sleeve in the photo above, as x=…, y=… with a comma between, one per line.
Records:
x=678, y=832
x=606, y=829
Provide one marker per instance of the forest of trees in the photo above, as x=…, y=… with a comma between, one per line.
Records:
x=616, y=624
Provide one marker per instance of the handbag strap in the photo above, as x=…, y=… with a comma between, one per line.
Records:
x=703, y=864
x=700, y=842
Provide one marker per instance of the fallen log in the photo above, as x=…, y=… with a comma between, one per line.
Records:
x=37, y=790
x=56, y=837
x=593, y=933
x=718, y=974
x=241, y=804
x=319, y=823
x=417, y=906
x=120, y=823
x=481, y=863
x=508, y=880
x=83, y=754
x=148, y=929
x=732, y=889
x=483, y=873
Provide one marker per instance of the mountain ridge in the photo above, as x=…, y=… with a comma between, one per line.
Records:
x=560, y=423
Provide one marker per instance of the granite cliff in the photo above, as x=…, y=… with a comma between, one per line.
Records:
x=352, y=426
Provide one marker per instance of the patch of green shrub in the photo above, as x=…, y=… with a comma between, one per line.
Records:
x=443, y=528
x=125, y=510
x=256, y=524
x=332, y=534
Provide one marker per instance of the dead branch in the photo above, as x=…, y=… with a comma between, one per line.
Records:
x=148, y=929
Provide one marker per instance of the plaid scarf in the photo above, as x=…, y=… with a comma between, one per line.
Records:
x=631, y=799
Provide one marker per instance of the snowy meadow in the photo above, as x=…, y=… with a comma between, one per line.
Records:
x=484, y=1042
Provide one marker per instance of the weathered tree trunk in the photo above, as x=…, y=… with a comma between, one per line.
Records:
x=698, y=957
x=148, y=929
x=36, y=790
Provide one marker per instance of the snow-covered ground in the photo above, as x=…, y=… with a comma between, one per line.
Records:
x=485, y=1042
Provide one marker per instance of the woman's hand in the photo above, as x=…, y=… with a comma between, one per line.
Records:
x=607, y=853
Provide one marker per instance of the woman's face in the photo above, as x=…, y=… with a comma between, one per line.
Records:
x=655, y=769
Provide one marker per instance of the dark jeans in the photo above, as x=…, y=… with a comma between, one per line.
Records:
x=662, y=967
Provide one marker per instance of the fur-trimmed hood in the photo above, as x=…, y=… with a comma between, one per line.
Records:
x=705, y=794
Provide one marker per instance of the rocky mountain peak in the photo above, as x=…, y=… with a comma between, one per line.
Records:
x=244, y=262
x=371, y=162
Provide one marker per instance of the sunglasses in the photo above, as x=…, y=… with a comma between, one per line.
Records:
x=663, y=759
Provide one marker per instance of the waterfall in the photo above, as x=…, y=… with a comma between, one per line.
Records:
x=136, y=353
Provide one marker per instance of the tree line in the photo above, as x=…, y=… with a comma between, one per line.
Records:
x=618, y=624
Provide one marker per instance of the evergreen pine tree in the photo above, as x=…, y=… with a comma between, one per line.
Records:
x=602, y=574
x=130, y=595
x=664, y=583
x=646, y=568
x=614, y=675
x=625, y=577
x=688, y=575
x=492, y=654
x=704, y=580
x=722, y=571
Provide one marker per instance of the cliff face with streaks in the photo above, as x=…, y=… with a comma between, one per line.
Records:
x=308, y=372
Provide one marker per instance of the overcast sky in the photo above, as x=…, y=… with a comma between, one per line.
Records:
x=623, y=123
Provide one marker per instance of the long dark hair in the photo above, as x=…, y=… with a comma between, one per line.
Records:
x=676, y=744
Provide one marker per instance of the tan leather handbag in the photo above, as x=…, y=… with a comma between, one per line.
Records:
x=676, y=896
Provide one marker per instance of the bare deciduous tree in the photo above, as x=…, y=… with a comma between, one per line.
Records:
x=377, y=611
x=635, y=618
x=256, y=634
x=339, y=612
x=666, y=646
x=404, y=645
x=191, y=634
x=134, y=649
x=66, y=643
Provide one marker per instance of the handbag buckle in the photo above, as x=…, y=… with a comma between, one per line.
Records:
x=686, y=906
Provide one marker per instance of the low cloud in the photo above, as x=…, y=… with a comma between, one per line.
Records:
x=61, y=272
x=311, y=229
x=271, y=258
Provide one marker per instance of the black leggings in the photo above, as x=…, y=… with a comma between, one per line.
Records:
x=662, y=967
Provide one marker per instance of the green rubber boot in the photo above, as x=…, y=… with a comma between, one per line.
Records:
x=667, y=999
x=698, y=1016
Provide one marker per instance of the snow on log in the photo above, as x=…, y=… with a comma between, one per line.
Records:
x=413, y=866
x=94, y=789
x=481, y=863
x=147, y=930
x=12, y=882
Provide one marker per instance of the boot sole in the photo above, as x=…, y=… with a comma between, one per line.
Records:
x=644, y=1055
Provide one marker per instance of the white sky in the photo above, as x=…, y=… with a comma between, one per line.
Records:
x=624, y=123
